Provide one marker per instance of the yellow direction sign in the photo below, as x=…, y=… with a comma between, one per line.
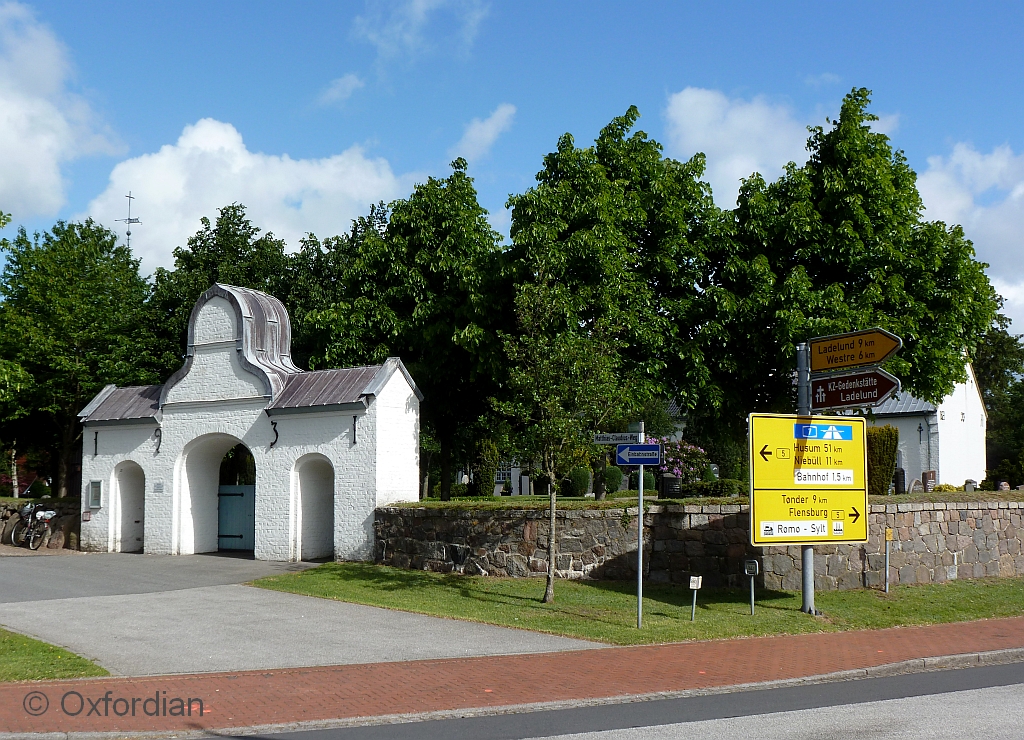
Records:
x=808, y=480
x=856, y=349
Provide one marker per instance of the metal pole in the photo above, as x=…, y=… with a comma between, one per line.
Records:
x=751, y=595
x=803, y=400
x=640, y=542
x=886, y=562
x=693, y=608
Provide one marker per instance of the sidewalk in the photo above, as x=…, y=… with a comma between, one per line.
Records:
x=279, y=697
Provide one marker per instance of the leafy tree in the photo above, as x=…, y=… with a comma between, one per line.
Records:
x=835, y=245
x=422, y=282
x=999, y=367
x=72, y=319
x=231, y=251
x=586, y=351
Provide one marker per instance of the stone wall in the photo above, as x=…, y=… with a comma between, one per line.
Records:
x=933, y=543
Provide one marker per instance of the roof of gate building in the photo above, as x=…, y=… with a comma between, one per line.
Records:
x=316, y=389
x=123, y=404
x=262, y=339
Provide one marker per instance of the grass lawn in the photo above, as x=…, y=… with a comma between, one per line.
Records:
x=605, y=611
x=25, y=659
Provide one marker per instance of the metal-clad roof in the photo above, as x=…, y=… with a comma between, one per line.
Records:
x=121, y=404
x=904, y=403
x=326, y=387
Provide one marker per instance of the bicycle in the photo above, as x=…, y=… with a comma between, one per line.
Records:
x=33, y=529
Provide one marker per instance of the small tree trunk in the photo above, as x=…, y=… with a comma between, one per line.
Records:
x=425, y=491
x=549, y=592
x=599, y=489
x=65, y=464
x=14, y=468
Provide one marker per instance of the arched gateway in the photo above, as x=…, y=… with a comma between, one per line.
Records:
x=242, y=450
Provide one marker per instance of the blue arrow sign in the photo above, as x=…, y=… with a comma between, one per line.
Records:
x=638, y=454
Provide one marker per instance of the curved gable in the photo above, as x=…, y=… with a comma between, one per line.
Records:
x=239, y=347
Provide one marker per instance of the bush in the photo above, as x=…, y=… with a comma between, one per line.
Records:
x=577, y=482
x=882, y=444
x=460, y=490
x=721, y=488
x=683, y=460
x=945, y=488
x=485, y=468
x=612, y=476
x=649, y=481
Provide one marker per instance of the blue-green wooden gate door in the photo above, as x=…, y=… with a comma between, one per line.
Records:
x=236, y=517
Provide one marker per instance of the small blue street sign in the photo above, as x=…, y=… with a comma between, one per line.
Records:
x=638, y=454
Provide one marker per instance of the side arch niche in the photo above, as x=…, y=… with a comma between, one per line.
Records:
x=128, y=523
x=314, y=476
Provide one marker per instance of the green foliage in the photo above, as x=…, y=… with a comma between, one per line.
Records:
x=485, y=469
x=576, y=482
x=685, y=461
x=72, y=319
x=709, y=475
x=649, y=480
x=721, y=488
x=612, y=476
x=999, y=367
x=422, y=282
x=835, y=245
x=883, y=443
x=460, y=490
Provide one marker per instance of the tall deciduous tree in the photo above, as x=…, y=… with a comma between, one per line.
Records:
x=72, y=319
x=838, y=244
x=999, y=367
x=421, y=282
x=591, y=246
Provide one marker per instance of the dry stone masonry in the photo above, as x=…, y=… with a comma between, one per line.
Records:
x=933, y=543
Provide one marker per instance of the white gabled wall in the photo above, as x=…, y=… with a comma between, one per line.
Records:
x=398, y=442
x=962, y=424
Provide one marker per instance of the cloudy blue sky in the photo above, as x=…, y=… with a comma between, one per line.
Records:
x=307, y=112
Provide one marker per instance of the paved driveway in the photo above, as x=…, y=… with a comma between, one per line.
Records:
x=146, y=615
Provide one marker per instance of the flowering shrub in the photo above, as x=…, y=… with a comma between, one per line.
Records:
x=682, y=459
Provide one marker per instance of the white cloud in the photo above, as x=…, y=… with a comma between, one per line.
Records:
x=825, y=79
x=402, y=27
x=340, y=90
x=985, y=194
x=480, y=135
x=42, y=123
x=210, y=167
x=738, y=136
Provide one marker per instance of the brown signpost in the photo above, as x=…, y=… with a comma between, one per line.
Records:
x=856, y=349
x=852, y=390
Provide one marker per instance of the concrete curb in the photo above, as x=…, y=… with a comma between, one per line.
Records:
x=915, y=665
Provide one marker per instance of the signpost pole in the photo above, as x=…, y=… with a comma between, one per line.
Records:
x=803, y=399
x=640, y=541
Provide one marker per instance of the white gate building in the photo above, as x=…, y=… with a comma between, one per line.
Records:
x=328, y=446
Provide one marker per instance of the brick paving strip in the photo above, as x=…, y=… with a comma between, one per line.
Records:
x=310, y=695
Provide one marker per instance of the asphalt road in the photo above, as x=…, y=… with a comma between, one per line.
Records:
x=977, y=703
x=41, y=578
x=139, y=615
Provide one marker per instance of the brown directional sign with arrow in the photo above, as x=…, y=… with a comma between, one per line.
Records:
x=852, y=390
x=856, y=349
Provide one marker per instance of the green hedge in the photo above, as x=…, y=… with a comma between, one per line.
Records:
x=714, y=489
x=882, y=445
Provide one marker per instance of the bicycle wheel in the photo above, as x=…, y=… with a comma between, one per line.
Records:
x=18, y=533
x=37, y=535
